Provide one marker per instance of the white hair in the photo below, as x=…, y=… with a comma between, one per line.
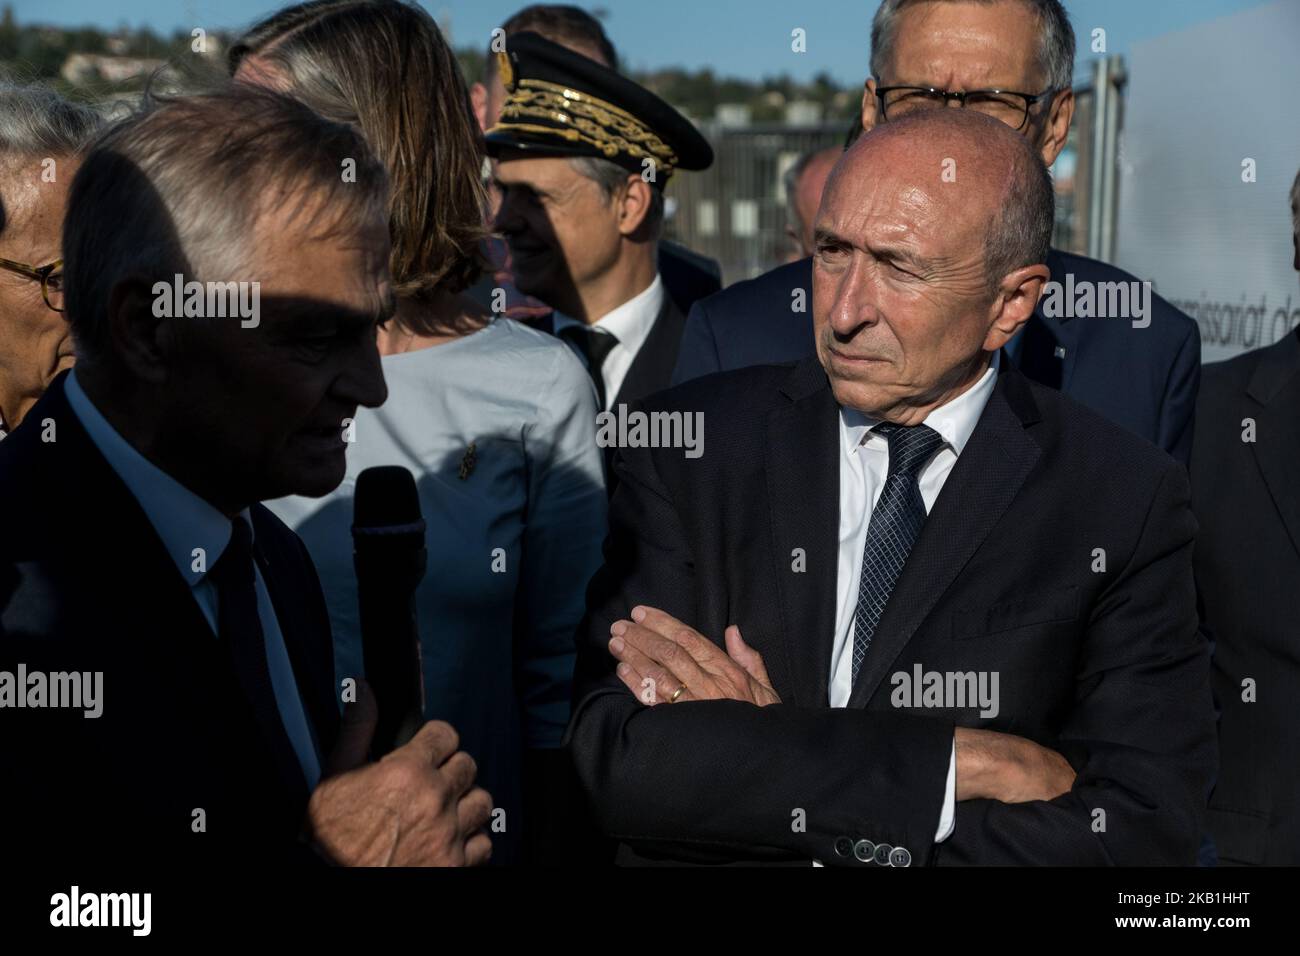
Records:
x=37, y=121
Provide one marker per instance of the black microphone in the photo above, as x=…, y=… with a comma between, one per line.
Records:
x=390, y=558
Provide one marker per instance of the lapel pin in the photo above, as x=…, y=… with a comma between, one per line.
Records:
x=1060, y=351
x=468, y=462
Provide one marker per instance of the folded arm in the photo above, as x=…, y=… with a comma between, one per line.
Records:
x=1141, y=733
x=710, y=779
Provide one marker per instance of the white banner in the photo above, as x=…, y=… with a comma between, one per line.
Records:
x=1210, y=148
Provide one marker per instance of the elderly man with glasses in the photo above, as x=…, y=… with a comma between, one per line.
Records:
x=1138, y=366
x=40, y=137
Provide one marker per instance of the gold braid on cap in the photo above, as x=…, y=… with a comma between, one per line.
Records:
x=504, y=69
x=586, y=119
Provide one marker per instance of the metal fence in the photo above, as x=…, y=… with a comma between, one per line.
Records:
x=735, y=211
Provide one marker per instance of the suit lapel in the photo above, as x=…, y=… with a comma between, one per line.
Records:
x=652, y=368
x=132, y=553
x=137, y=615
x=988, y=475
x=1047, y=351
x=280, y=570
x=1276, y=386
x=166, y=627
x=803, y=487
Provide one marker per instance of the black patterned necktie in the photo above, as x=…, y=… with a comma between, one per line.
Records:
x=594, y=346
x=895, y=523
x=239, y=629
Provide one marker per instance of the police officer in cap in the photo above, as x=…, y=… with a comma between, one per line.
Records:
x=583, y=155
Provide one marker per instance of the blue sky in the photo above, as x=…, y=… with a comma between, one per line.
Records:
x=743, y=38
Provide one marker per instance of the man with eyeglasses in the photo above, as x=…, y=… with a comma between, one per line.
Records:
x=40, y=136
x=1013, y=60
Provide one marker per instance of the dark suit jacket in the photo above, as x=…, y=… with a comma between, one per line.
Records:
x=652, y=368
x=1142, y=378
x=1246, y=495
x=688, y=276
x=1107, y=667
x=86, y=585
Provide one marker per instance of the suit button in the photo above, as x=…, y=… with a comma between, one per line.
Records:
x=844, y=847
x=864, y=850
x=882, y=854
x=900, y=857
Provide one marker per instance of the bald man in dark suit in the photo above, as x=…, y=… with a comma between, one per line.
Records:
x=908, y=607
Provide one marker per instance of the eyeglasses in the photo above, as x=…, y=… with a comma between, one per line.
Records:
x=50, y=277
x=1006, y=106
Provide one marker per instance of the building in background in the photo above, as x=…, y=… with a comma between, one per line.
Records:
x=735, y=211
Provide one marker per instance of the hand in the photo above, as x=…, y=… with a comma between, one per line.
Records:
x=418, y=806
x=664, y=661
x=1007, y=768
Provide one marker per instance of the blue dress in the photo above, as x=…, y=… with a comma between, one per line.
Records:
x=498, y=428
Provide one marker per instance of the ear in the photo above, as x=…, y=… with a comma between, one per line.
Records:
x=634, y=205
x=140, y=340
x=1013, y=304
x=1057, y=129
x=478, y=97
x=869, y=105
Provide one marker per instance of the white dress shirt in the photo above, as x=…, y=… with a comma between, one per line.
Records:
x=184, y=521
x=864, y=465
x=630, y=323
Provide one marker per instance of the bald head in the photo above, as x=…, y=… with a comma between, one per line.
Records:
x=804, y=184
x=980, y=166
x=930, y=243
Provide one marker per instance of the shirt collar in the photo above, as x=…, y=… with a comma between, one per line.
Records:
x=954, y=421
x=631, y=322
x=182, y=519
